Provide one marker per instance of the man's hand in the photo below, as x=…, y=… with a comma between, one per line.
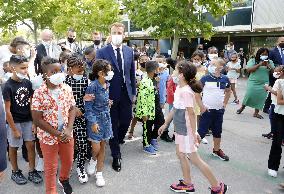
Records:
x=203, y=109
x=95, y=128
x=110, y=103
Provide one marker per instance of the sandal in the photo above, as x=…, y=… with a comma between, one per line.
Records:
x=258, y=116
x=240, y=111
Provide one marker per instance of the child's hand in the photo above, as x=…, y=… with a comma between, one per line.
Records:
x=267, y=87
x=66, y=136
x=34, y=129
x=78, y=112
x=16, y=133
x=162, y=129
x=110, y=103
x=2, y=175
x=203, y=109
x=145, y=118
x=197, y=139
x=89, y=97
x=224, y=105
x=95, y=128
x=162, y=106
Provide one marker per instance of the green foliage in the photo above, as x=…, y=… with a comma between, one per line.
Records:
x=86, y=16
x=179, y=18
x=32, y=13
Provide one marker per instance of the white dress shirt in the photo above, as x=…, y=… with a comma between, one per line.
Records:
x=122, y=58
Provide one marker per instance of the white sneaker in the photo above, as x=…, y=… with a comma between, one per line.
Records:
x=204, y=141
x=82, y=175
x=40, y=166
x=100, y=179
x=92, y=167
x=272, y=173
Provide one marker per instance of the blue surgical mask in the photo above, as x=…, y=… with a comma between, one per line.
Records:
x=212, y=69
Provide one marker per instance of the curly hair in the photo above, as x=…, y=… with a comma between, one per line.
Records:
x=99, y=65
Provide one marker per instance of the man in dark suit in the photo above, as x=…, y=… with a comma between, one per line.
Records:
x=277, y=56
x=97, y=40
x=46, y=48
x=122, y=88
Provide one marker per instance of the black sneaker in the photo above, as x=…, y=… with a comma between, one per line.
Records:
x=268, y=135
x=166, y=138
x=220, y=154
x=223, y=189
x=67, y=189
x=18, y=177
x=35, y=177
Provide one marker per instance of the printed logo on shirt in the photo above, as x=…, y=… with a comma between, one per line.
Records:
x=22, y=97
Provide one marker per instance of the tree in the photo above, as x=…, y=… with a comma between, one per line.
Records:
x=32, y=13
x=176, y=18
x=84, y=16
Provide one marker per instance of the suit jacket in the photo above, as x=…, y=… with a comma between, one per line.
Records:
x=107, y=53
x=41, y=52
x=275, y=56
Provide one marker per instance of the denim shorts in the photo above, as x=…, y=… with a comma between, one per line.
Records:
x=25, y=129
x=105, y=128
x=212, y=119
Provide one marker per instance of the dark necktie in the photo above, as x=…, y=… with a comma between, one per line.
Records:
x=282, y=56
x=119, y=61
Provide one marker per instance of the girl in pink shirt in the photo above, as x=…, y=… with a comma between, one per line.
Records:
x=187, y=138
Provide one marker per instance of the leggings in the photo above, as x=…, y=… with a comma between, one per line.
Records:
x=82, y=145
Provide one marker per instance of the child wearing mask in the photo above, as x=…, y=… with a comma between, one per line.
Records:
x=90, y=57
x=148, y=108
x=97, y=113
x=187, y=138
x=17, y=95
x=197, y=60
x=274, y=116
x=140, y=74
x=78, y=81
x=163, y=77
x=53, y=110
x=64, y=55
x=216, y=94
x=234, y=69
x=278, y=74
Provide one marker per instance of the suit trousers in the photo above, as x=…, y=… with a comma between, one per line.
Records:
x=121, y=115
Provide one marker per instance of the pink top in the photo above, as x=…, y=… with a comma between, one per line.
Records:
x=184, y=98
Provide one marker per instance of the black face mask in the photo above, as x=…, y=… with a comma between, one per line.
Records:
x=97, y=42
x=201, y=49
x=156, y=75
x=71, y=40
x=143, y=65
x=281, y=45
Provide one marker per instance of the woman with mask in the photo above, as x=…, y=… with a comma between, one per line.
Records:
x=259, y=68
x=54, y=111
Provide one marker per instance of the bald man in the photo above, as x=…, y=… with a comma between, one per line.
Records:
x=46, y=48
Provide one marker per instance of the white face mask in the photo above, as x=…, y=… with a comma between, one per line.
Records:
x=22, y=76
x=109, y=76
x=77, y=77
x=212, y=56
x=8, y=75
x=116, y=40
x=197, y=64
x=263, y=57
x=57, y=78
x=175, y=79
x=276, y=75
x=212, y=69
x=36, y=81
